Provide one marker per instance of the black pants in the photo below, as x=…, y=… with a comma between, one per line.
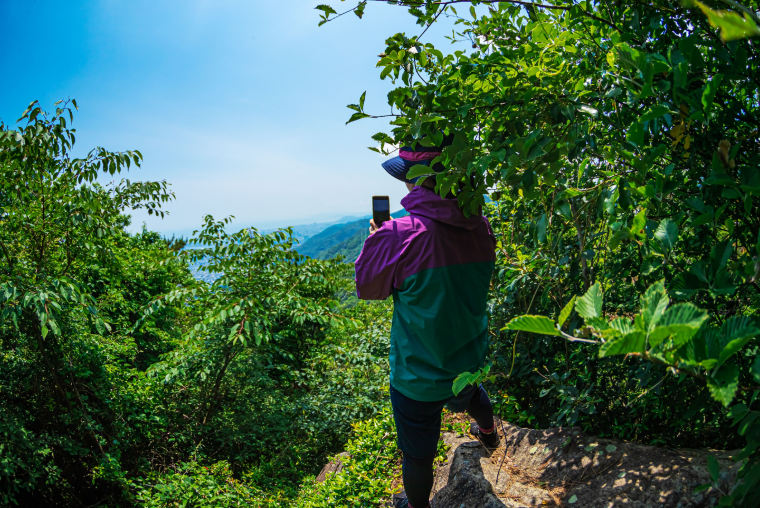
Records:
x=418, y=426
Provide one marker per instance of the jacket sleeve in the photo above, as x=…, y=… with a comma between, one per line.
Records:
x=376, y=265
x=490, y=234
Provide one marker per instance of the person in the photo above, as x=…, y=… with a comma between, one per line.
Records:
x=437, y=264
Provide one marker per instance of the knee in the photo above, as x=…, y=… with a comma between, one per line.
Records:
x=484, y=400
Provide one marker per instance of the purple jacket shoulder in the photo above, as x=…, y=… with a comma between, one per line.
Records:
x=435, y=234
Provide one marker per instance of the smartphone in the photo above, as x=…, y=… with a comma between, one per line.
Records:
x=381, y=209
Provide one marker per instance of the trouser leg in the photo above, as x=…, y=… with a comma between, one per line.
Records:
x=418, y=426
x=418, y=480
x=481, y=410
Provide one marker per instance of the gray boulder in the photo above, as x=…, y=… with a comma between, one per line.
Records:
x=564, y=467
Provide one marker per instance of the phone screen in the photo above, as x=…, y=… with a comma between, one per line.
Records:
x=381, y=209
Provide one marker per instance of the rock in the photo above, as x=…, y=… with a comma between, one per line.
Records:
x=563, y=467
x=332, y=467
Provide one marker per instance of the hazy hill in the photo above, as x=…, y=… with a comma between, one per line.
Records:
x=305, y=231
x=340, y=240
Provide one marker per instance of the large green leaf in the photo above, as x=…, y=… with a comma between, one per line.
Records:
x=736, y=332
x=533, y=324
x=462, y=380
x=419, y=170
x=720, y=254
x=756, y=370
x=708, y=96
x=326, y=9
x=622, y=325
x=667, y=233
x=653, y=304
x=634, y=342
x=747, y=422
x=619, y=236
x=566, y=312
x=635, y=134
x=469, y=378
x=655, y=112
x=724, y=384
x=541, y=228
x=732, y=26
x=590, y=305
x=638, y=227
x=681, y=322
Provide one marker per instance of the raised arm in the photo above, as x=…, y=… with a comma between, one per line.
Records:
x=376, y=266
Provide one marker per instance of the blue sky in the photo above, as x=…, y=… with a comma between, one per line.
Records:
x=239, y=104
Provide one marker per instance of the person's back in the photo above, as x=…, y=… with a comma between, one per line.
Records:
x=437, y=264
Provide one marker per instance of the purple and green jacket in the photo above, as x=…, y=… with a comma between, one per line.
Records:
x=437, y=264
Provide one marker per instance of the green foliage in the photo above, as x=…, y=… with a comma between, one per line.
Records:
x=125, y=381
x=732, y=26
x=190, y=484
x=364, y=479
x=466, y=378
x=371, y=469
x=620, y=144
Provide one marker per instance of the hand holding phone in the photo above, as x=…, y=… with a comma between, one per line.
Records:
x=381, y=211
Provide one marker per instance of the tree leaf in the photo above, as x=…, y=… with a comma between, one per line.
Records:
x=638, y=227
x=357, y=116
x=566, y=312
x=590, y=305
x=736, y=332
x=619, y=236
x=654, y=301
x=667, y=233
x=635, y=134
x=655, y=112
x=756, y=370
x=326, y=9
x=724, y=384
x=634, y=342
x=738, y=412
x=360, y=9
x=745, y=424
x=541, y=228
x=708, y=96
x=681, y=322
x=732, y=26
x=419, y=170
x=462, y=381
x=713, y=467
x=533, y=324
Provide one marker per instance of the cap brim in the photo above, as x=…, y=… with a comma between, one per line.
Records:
x=398, y=168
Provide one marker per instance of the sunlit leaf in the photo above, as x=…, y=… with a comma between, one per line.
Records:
x=565, y=313
x=590, y=304
x=667, y=233
x=732, y=26
x=633, y=342
x=533, y=324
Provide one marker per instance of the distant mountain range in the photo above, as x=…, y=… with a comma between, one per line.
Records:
x=344, y=239
x=305, y=231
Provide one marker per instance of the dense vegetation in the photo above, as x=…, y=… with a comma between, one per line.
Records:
x=125, y=380
x=619, y=142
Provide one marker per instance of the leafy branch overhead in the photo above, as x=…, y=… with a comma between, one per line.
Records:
x=620, y=147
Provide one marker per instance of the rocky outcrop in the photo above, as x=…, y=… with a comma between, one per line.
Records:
x=335, y=466
x=564, y=467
